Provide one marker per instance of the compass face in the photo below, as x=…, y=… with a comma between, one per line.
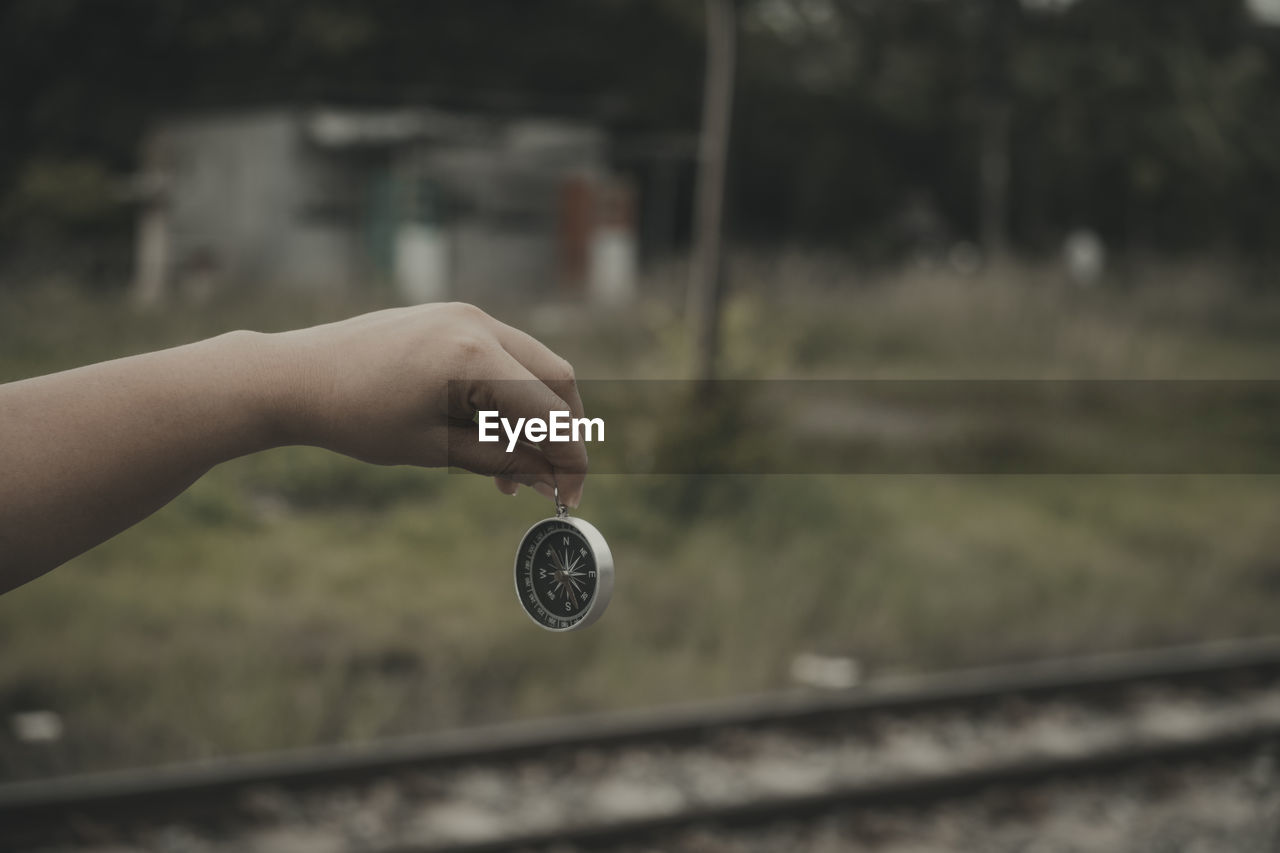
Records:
x=558, y=574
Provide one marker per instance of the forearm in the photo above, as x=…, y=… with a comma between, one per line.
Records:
x=88, y=452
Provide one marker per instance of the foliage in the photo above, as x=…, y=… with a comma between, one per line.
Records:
x=1152, y=122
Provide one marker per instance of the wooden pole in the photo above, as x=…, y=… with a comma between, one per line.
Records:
x=993, y=178
x=996, y=126
x=706, y=283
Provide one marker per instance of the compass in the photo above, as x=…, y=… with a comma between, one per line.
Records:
x=564, y=572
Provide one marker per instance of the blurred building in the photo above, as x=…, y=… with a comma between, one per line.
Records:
x=443, y=206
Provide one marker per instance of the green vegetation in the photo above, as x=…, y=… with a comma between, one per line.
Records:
x=857, y=121
x=297, y=598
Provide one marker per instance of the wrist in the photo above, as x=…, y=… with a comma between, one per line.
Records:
x=272, y=388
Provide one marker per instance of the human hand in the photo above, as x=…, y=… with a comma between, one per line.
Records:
x=401, y=386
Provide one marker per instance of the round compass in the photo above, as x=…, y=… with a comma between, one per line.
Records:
x=564, y=573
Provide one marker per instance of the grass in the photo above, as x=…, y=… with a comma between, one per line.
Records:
x=297, y=598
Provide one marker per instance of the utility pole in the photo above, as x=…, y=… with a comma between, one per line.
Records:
x=706, y=283
x=996, y=122
x=993, y=177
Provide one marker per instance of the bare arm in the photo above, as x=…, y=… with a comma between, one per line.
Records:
x=88, y=452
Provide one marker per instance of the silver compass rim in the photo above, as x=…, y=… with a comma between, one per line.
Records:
x=604, y=573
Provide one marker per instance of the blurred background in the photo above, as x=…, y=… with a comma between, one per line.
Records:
x=895, y=189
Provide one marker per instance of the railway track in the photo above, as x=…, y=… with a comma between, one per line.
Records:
x=609, y=780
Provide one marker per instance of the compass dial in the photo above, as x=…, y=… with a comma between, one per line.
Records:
x=560, y=576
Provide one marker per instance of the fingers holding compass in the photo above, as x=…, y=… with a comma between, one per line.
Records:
x=515, y=392
x=554, y=372
x=558, y=375
x=522, y=466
